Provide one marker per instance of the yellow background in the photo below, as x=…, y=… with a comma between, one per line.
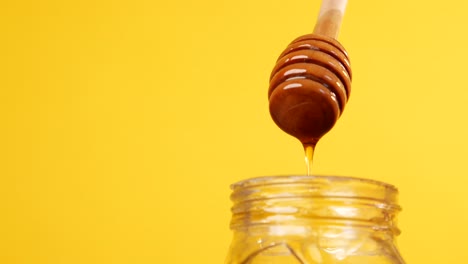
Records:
x=124, y=122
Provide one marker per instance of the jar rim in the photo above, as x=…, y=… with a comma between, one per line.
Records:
x=282, y=179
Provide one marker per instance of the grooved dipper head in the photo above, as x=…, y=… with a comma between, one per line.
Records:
x=309, y=87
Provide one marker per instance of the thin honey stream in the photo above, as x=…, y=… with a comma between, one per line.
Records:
x=309, y=155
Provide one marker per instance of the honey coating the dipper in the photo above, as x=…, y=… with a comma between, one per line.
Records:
x=309, y=87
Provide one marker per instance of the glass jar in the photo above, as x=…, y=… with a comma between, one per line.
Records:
x=313, y=219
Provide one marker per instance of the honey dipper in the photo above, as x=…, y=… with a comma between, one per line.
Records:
x=311, y=81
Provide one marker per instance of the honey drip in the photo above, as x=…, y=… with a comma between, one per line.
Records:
x=309, y=155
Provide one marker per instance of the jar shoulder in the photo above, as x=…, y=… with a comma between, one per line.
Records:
x=312, y=250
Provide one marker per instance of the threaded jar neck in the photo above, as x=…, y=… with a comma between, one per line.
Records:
x=315, y=200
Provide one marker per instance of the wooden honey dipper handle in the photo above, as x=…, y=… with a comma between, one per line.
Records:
x=330, y=18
